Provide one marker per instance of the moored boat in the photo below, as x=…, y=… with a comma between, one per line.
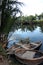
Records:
x=31, y=45
x=13, y=47
x=29, y=57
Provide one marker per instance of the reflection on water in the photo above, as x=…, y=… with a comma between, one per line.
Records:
x=33, y=32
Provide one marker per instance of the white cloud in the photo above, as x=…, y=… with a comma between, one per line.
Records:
x=32, y=7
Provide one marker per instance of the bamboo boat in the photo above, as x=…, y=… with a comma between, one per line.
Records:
x=29, y=57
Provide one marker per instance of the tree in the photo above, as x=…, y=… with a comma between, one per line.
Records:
x=41, y=16
x=9, y=8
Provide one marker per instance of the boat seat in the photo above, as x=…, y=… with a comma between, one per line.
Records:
x=28, y=55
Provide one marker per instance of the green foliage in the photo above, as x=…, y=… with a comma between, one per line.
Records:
x=31, y=19
x=39, y=21
x=8, y=26
x=40, y=16
x=27, y=18
x=2, y=51
x=9, y=8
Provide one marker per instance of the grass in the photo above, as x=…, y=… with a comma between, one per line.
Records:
x=2, y=51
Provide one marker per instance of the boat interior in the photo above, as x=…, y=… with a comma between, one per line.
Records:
x=30, y=45
x=26, y=54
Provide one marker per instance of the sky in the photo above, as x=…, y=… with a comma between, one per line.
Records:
x=32, y=7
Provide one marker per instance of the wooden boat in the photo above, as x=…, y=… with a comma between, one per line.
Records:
x=13, y=48
x=29, y=57
x=30, y=46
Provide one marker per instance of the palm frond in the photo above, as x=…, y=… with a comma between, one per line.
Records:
x=15, y=2
x=16, y=10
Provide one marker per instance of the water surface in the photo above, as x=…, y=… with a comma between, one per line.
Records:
x=34, y=33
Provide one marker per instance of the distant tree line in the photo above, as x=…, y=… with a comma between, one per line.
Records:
x=31, y=18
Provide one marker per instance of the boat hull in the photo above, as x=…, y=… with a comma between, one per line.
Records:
x=38, y=47
x=29, y=62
